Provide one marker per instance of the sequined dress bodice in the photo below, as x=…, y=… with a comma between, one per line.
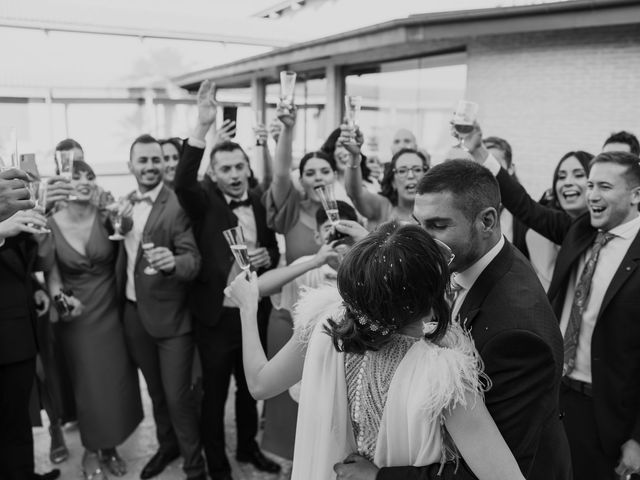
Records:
x=368, y=378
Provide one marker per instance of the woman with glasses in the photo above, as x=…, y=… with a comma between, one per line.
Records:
x=385, y=373
x=398, y=185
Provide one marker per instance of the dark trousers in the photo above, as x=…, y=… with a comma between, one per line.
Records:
x=588, y=459
x=220, y=350
x=16, y=440
x=166, y=364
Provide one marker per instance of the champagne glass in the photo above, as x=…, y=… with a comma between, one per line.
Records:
x=260, y=142
x=352, y=106
x=329, y=203
x=235, y=238
x=64, y=162
x=8, y=148
x=38, y=194
x=115, y=216
x=464, y=119
x=148, y=245
x=287, y=87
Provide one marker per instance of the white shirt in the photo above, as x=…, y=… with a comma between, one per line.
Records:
x=140, y=214
x=246, y=220
x=314, y=278
x=468, y=277
x=609, y=260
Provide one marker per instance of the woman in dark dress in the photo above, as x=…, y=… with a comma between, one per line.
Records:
x=80, y=260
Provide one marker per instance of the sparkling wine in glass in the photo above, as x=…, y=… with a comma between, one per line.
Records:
x=38, y=194
x=235, y=238
x=64, y=162
x=352, y=106
x=8, y=148
x=327, y=197
x=148, y=245
x=260, y=142
x=464, y=119
x=115, y=216
x=287, y=87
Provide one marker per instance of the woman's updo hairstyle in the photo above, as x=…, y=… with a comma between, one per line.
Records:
x=392, y=278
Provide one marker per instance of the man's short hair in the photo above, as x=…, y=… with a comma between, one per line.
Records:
x=346, y=212
x=502, y=145
x=473, y=187
x=628, y=160
x=68, y=144
x=227, y=146
x=626, y=138
x=144, y=139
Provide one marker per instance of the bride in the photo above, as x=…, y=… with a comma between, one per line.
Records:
x=386, y=373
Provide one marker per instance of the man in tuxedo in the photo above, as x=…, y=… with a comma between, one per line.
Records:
x=153, y=286
x=594, y=293
x=18, y=345
x=220, y=201
x=501, y=302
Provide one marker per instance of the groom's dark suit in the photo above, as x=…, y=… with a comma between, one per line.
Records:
x=518, y=338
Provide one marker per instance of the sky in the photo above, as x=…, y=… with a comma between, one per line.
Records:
x=38, y=58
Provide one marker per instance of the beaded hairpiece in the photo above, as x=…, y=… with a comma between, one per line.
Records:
x=373, y=326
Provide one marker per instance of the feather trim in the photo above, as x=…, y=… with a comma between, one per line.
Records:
x=452, y=368
x=315, y=305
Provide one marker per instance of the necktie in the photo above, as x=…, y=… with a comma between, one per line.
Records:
x=233, y=204
x=580, y=301
x=141, y=199
x=452, y=292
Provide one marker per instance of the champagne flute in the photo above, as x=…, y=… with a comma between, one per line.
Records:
x=260, y=142
x=147, y=245
x=38, y=194
x=352, y=106
x=8, y=148
x=64, y=162
x=327, y=197
x=464, y=119
x=287, y=87
x=235, y=238
x=115, y=216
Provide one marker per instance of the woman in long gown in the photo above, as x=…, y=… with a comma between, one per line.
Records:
x=386, y=373
x=79, y=258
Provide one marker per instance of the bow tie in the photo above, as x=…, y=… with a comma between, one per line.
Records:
x=233, y=204
x=141, y=199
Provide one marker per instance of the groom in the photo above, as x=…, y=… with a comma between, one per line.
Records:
x=501, y=302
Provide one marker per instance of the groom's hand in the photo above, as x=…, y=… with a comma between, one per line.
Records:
x=355, y=467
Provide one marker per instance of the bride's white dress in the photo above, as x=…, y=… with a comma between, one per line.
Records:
x=387, y=405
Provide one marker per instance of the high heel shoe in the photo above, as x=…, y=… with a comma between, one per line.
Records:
x=91, y=468
x=58, y=451
x=110, y=459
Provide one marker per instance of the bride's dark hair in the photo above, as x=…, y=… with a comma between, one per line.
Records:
x=393, y=277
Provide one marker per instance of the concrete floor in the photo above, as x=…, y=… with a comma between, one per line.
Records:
x=139, y=448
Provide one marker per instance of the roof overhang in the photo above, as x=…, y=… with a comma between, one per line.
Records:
x=423, y=34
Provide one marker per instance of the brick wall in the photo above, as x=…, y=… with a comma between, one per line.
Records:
x=552, y=92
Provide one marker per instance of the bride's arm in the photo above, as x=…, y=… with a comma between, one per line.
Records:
x=479, y=441
x=265, y=378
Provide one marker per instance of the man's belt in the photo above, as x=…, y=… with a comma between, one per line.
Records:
x=578, y=386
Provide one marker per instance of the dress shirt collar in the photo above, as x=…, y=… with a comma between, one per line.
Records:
x=152, y=194
x=627, y=230
x=468, y=277
x=245, y=196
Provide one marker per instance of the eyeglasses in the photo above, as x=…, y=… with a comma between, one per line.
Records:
x=446, y=251
x=404, y=171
